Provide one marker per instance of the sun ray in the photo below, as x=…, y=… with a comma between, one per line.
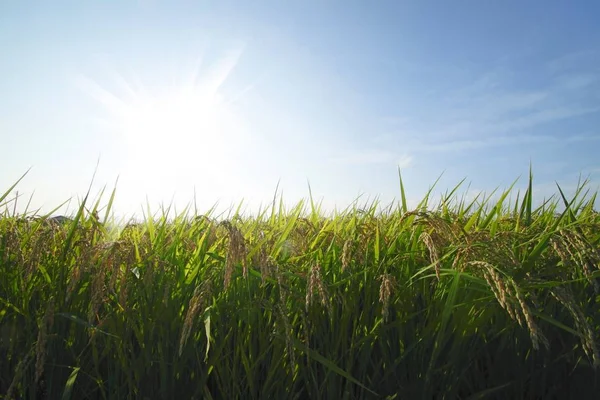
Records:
x=112, y=103
x=177, y=132
x=219, y=74
x=194, y=74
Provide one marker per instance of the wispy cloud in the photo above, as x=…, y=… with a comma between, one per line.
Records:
x=372, y=157
x=574, y=61
x=492, y=112
x=497, y=141
x=540, y=117
x=578, y=81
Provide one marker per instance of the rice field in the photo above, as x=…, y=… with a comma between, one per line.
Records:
x=450, y=300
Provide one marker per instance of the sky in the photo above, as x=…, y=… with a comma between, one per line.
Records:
x=222, y=101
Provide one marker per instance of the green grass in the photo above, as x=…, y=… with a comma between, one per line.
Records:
x=463, y=300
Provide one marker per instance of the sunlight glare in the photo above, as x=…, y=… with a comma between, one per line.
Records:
x=177, y=137
x=174, y=122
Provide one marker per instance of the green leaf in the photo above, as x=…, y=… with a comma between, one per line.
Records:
x=402, y=194
x=70, y=383
x=207, y=332
x=376, y=245
x=3, y=196
x=84, y=323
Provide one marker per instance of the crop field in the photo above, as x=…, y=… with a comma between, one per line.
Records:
x=453, y=299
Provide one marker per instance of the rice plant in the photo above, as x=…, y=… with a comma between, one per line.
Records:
x=460, y=300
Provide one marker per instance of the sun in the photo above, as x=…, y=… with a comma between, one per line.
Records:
x=174, y=123
x=177, y=135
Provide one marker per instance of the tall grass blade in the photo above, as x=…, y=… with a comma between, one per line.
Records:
x=10, y=189
x=402, y=193
x=67, y=392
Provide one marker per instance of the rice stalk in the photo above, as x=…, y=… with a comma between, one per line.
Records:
x=45, y=325
x=201, y=295
x=588, y=342
x=433, y=252
x=316, y=287
x=346, y=254
x=388, y=283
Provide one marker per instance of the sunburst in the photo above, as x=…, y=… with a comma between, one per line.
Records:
x=176, y=135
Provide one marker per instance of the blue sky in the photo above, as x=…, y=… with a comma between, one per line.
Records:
x=226, y=99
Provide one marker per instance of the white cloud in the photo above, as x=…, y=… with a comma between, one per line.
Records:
x=575, y=60
x=371, y=157
x=496, y=141
x=541, y=117
x=577, y=81
x=405, y=161
x=490, y=112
